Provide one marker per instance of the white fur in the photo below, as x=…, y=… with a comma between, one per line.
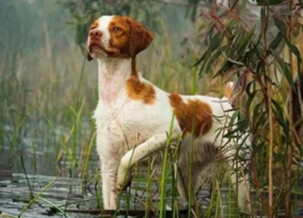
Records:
x=129, y=130
x=103, y=27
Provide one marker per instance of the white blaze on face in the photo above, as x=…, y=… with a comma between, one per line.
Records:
x=104, y=22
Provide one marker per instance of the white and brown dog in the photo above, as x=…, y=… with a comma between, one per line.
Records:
x=133, y=116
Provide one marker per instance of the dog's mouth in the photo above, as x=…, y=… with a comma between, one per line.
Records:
x=95, y=48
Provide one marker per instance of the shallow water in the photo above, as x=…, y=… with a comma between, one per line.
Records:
x=67, y=193
x=68, y=190
x=15, y=194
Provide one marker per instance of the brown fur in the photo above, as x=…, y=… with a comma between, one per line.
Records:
x=194, y=117
x=127, y=37
x=119, y=40
x=140, y=37
x=138, y=90
x=94, y=25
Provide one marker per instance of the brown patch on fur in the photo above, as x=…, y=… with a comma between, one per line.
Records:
x=140, y=37
x=194, y=117
x=119, y=31
x=138, y=90
x=134, y=70
x=94, y=25
x=128, y=37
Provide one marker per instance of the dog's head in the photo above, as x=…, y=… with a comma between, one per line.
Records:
x=117, y=36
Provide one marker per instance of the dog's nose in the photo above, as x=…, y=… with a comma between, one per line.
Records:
x=95, y=34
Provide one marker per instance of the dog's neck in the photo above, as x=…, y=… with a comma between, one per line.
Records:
x=112, y=73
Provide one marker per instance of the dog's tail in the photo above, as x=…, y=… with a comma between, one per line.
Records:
x=228, y=91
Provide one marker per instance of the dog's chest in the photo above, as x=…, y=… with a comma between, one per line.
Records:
x=131, y=123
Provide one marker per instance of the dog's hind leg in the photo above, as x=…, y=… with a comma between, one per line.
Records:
x=189, y=175
x=241, y=186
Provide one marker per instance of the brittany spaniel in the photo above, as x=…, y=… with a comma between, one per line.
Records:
x=133, y=116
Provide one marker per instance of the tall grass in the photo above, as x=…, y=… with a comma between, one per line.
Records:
x=267, y=79
x=47, y=99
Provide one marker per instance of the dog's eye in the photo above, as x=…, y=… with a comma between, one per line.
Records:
x=117, y=29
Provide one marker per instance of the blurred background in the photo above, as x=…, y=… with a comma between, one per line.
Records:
x=48, y=89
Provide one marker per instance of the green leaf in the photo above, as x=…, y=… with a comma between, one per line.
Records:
x=269, y=2
x=285, y=69
x=235, y=62
x=251, y=94
x=283, y=31
x=281, y=26
x=246, y=40
x=279, y=115
x=276, y=42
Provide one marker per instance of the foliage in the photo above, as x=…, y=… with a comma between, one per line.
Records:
x=233, y=49
x=256, y=61
x=84, y=12
x=47, y=97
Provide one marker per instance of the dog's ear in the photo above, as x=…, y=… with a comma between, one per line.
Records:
x=140, y=37
x=89, y=57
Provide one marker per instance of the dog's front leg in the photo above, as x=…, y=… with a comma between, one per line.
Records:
x=135, y=155
x=109, y=170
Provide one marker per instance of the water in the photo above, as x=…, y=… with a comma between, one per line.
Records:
x=15, y=194
x=66, y=193
x=40, y=157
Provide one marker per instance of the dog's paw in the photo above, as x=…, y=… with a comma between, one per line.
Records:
x=118, y=189
x=123, y=183
x=128, y=182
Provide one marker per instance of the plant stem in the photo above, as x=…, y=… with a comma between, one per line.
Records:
x=290, y=108
x=31, y=196
x=268, y=97
x=25, y=208
x=55, y=206
x=163, y=179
